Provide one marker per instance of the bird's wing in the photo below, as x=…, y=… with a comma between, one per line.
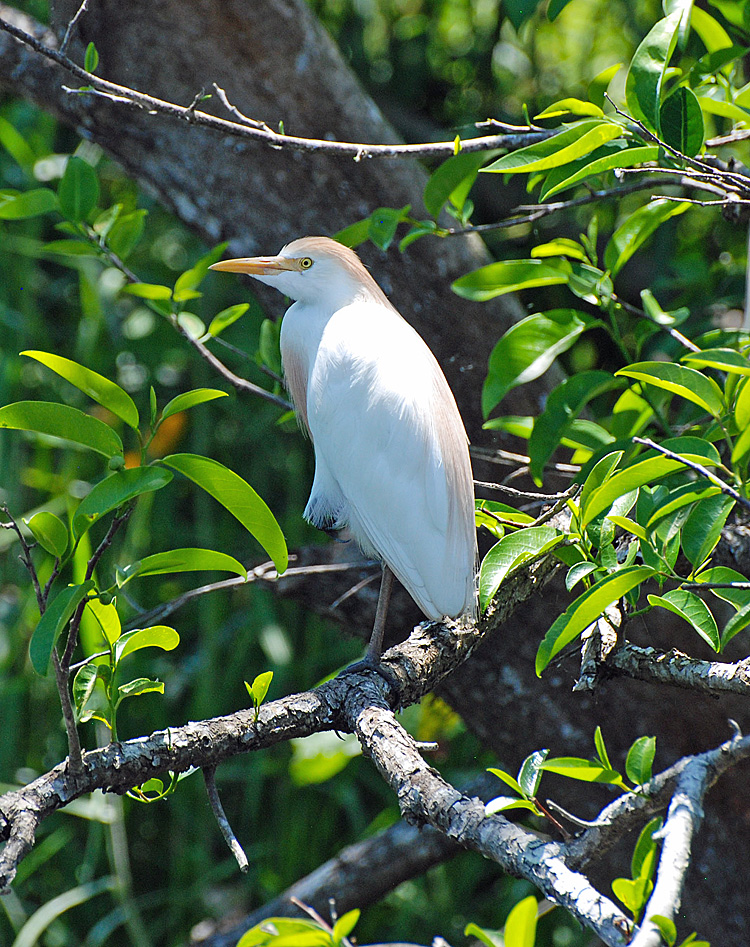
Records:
x=384, y=422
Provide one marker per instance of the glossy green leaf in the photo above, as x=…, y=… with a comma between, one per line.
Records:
x=125, y=233
x=50, y=532
x=576, y=140
x=29, y=204
x=507, y=803
x=682, y=496
x=285, y=932
x=713, y=34
x=726, y=360
x=57, y=615
x=611, y=157
x=383, y=224
x=182, y=560
x=681, y=121
x=344, y=925
x=91, y=59
x=520, y=927
x=587, y=771
x=237, y=496
x=486, y=937
x=597, y=477
x=636, y=230
x=84, y=683
x=141, y=685
x=507, y=779
x=71, y=248
x=222, y=320
x=269, y=345
x=601, y=748
x=106, y=618
x=693, y=610
x=586, y=609
x=640, y=760
x=509, y=553
x=528, y=349
x=737, y=623
x=16, y=145
x=601, y=82
x=654, y=311
x=148, y=291
x=96, y=386
x=555, y=8
x=570, y=106
x=632, y=892
x=530, y=773
x=60, y=420
x=686, y=382
x=563, y=405
x=702, y=529
x=643, y=85
x=509, y=276
x=78, y=190
x=157, y=636
x=666, y=925
x=738, y=597
x=115, y=491
x=190, y=399
x=577, y=572
x=259, y=688
x=452, y=181
x=643, y=861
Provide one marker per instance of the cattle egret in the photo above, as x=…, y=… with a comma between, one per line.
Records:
x=392, y=463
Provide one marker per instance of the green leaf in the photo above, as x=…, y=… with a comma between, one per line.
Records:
x=354, y=234
x=106, y=618
x=561, y=246
x=237, y=496
x=528, y=349
x=71, y=248
x=737, y=623
x=693, y=610
x=726, y=360
x=681, y=121
x=600, y=83
x=488, y=938
x=345, y=925
x=509, y=276
x=126, y=232
x=453, y=180
x=688, y=383
x=141, y=685
x=632, y=892
x=577, y=572
x=383, y=223
x=597, y=477
x=667, y=928
x=182, y=560
x=530, y=773
x=60, y=420
x=96, y=386
x=563, y=406
x=53, y=621
x=578, y=139
x=148, y=291
x=509, y=553
x=586, y=771
x=190, y=399
x=83, y=687
x=702, y=529
x=188, y=282
x=640, y=760
x=91, y=59
x=645, y=78
x=269, y=346
x=50, y=532
x=259, y=688
x=570, y=107
x=520, y=927
x=738, y=597
x=683, y=496
x=506, y=803
x=643, y=862
x=157, y=636
x=507, y=779
x=638, y=227
x=222, y=320
x=586, y=609
x=611, y=157
x=78, y=190
x=16, y=145
x=115, y=491
x=29, y=204
x=601, y=748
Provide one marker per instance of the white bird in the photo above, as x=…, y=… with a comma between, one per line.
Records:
x=391, y=452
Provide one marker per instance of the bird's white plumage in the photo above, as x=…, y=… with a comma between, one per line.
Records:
x=391, y=453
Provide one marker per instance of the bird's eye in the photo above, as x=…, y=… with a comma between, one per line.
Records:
x=305, y=263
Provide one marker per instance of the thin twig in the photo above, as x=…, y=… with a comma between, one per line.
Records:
x=209, y=775
x=698, y=468
x=72, y=25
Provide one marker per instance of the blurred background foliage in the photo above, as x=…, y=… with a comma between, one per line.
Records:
x=435, y=67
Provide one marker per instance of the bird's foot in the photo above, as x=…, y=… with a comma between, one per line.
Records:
x=374, y=663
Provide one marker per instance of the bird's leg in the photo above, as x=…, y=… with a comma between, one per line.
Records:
x=371, y=660
x=375, y=647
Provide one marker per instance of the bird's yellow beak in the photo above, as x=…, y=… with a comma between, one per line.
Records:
x=255, y=265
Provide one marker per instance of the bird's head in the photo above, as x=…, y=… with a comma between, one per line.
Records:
x=312, y=269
